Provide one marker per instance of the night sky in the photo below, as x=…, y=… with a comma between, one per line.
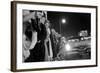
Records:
x=75, y=22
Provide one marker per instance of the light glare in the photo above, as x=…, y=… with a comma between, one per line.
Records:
x=63, y=21
x=67, y=47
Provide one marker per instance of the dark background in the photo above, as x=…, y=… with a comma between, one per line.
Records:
x=75, y=22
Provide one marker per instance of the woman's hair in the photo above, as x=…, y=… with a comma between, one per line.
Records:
x=39, y=28
x=34, y=24
x=27, y=30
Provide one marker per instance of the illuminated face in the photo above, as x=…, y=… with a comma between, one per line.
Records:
x=47, y=24
x=42, y=20
x=39, y=14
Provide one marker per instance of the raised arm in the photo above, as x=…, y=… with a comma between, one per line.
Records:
x=34, y=40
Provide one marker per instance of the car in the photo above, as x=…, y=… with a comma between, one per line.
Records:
x=75, y=50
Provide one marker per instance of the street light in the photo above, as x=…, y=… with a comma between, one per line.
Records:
x=63, y=21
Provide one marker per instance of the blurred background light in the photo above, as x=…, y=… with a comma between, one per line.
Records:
x=63, y=21
x=68, y=47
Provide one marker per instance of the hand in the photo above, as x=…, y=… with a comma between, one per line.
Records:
x=26, y=54
x=29, y=16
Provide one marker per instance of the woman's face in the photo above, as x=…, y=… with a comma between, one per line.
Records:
x=48, y=29
x=42, y=20
x=47, y=24
x=39, y=14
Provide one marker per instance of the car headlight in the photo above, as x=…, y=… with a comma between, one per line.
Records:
x=67, y=47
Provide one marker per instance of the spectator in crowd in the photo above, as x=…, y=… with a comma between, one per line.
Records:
x=29, y=35
x=37, y=54
x=47, y=43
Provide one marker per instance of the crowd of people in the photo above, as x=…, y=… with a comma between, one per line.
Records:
x=40, y=41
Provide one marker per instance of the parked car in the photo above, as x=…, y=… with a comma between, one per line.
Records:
x=76, y=50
